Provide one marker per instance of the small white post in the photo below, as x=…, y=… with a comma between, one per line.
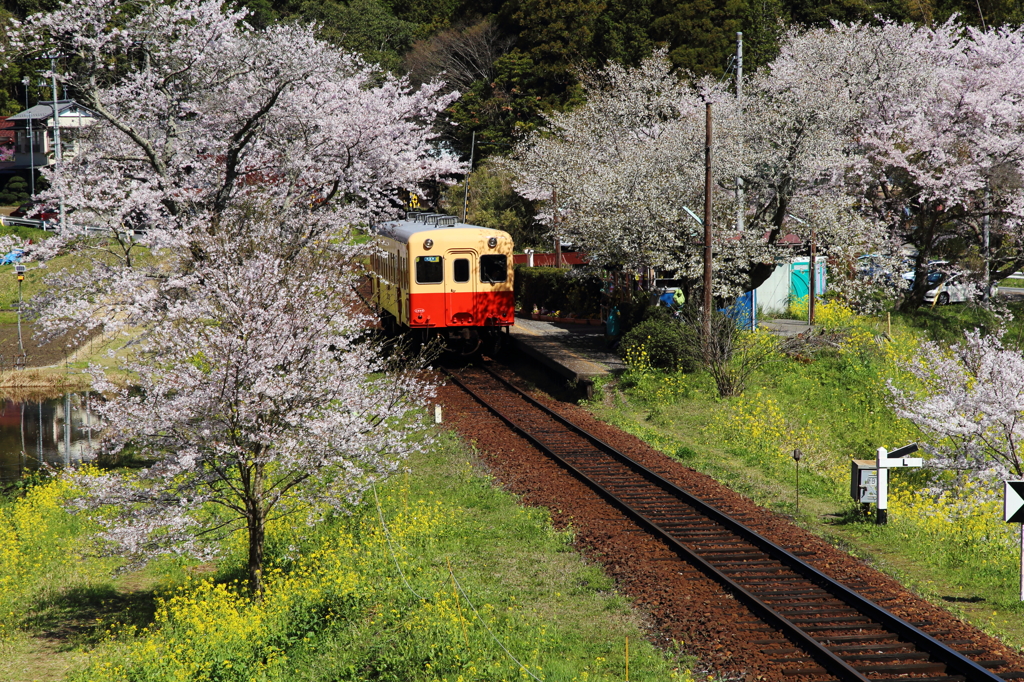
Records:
x=437, y=413
x=882, y=516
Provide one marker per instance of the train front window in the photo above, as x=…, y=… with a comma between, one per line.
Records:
x=429, y=270
x=493, y=268
x=461, y=268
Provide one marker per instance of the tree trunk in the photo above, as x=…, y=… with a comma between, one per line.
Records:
x=924, y=238
x=256, y=541
x=255, y=520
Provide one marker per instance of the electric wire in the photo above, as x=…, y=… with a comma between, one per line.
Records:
x=493, y=636
x=391, y=547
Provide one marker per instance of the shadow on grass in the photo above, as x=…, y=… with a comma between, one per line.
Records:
x=946, y=324
x=81, y=616
x=962, y=600
x=850, y=516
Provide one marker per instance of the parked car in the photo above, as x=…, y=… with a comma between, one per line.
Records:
x=933, y=268
x=36, y=211
x=871, y=265
x=956, y=288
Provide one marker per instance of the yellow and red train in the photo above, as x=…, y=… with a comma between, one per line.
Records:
x=435, y=277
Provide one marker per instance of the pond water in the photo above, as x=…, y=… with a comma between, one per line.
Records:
x=57, y=431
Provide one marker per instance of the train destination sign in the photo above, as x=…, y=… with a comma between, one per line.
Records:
x=1013, y=501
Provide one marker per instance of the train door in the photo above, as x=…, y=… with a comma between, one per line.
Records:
x=460, y=284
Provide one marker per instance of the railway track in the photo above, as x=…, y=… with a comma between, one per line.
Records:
x=817, y=628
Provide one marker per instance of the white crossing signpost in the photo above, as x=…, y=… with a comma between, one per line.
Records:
x=886, y=460
x=1013, y=512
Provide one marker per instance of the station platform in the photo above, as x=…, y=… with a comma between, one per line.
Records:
x=578, y=353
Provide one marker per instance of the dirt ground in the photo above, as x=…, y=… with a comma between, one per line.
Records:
x=49, y=354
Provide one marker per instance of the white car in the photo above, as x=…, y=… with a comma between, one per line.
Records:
x=956, y=288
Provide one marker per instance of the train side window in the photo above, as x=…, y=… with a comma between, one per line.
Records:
x=494, y=268
x=461, y=268
x=429, y=269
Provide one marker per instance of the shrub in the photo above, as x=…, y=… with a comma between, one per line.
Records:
x=15, y=192
x=661, y=340
x=557, y=289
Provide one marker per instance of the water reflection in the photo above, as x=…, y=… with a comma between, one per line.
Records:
x=57, y=431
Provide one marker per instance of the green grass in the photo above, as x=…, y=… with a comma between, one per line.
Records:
x=337, y=608
x=24, y=232
x=834, y=409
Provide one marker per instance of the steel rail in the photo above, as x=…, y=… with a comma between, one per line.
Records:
x=954, y=660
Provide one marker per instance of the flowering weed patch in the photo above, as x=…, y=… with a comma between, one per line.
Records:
x=457, y=583
x=945, y=535
x=40, y=550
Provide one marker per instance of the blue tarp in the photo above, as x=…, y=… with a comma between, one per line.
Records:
x=12, y=258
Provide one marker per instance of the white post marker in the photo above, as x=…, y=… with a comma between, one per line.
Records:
x=437, y=413
x=1013, y=512
x=886, y=460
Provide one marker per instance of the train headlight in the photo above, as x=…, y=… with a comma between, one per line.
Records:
x=492, y=242
x=428, y=244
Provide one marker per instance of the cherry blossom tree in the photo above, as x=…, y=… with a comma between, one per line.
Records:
x=617, y=172
x=204, y=122
x=217, y=193
x=970, y=399
x=937, y=142
x=254, y=402
x=875, y=135
x=625, y=166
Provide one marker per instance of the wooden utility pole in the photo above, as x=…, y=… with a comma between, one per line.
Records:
x=812, y=280
x=740, y=199
x=465, y=196
x=707, y=225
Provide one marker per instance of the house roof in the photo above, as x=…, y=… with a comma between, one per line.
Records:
x=43, y=110
x=6, y=130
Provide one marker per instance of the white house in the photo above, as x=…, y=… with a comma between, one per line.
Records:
x=34, y=144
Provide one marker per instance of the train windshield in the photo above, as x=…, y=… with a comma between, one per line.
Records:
x=493, y=268
x=461, y=268
x=429, y=269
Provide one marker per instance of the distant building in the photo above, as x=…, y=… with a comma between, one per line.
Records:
x=34, y=136
x=7, y=134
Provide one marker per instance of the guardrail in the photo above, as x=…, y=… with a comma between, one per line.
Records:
x=54, y=226
x=25, y=222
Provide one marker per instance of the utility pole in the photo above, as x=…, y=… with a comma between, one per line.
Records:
x=19, y=271
x=707, y=225
x=558, y=238
x=56, y=130
x=812, y=280
x=465, y=198
x=31, y=152
x=740, y=198
x=988, y=249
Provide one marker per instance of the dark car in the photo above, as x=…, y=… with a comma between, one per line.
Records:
x=28, y=210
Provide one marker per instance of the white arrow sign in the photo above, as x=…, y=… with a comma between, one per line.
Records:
x=896, y=459
x=1013, y=501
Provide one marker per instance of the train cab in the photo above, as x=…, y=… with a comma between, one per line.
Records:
x=436, y=277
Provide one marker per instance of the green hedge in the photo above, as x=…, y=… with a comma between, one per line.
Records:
x=557, y=289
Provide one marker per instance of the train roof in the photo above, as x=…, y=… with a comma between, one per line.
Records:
x=415, y=223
